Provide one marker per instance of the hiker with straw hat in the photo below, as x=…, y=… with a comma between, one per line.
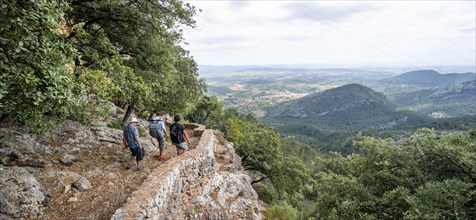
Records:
x=132, y=141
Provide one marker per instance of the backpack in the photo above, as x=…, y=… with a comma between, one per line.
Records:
x=176, y=135
x=154, y=128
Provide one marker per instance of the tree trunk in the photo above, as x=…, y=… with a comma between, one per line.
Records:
x=130, y=108
x=2, y=117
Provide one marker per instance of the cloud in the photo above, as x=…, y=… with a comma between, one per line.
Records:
x=238, y=4
x=218, y=40
x=468, y=29
x=324, y=11
x=343, y=33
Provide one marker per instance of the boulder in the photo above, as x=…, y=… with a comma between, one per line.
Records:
x=107, y=134
x=20, y=194
x=74, y=133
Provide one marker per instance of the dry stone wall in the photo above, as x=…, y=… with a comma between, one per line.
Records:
x=192, y=186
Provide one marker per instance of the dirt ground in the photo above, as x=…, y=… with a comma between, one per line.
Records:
x=112, y=183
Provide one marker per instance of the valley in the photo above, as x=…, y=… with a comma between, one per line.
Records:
x=327, y=108
x=251, y=90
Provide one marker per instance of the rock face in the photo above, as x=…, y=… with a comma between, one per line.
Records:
x=20, y=194
x=193, y=187
x=225, y=196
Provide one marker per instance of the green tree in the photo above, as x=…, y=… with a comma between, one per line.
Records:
x=260, y=149
x=207, y=106
x=36, y=63
x=425, y=176
x=146, y=35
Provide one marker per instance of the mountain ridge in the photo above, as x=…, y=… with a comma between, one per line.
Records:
x=429, y=78
x=449, y=101
x=347, y=107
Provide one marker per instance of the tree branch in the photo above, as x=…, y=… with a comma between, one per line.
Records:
x=259, y=180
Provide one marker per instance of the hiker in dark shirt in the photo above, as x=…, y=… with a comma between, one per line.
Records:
x=132, y=141
x=178, y=136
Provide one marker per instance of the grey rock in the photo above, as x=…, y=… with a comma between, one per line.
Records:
x=148, y=145
x=68, y=159
x=82, y=184
x=107, y=134
x=236, y=165
x=112, y=110
x=20, y=193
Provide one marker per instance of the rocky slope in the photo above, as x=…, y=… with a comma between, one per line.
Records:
x=79, y=173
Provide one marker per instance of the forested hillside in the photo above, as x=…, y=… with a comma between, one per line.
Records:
x=349, y=107
x=329, y=120
x=424, y=175
x=429, y=78
x=421, y=79
x=449, y=101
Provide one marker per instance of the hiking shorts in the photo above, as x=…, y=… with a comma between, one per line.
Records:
x=182, y=146
x=161, y=140
x=138, y=153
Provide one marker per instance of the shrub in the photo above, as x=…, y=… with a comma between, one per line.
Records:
x=282, y=211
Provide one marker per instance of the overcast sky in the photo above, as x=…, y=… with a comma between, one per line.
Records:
x=414, y=34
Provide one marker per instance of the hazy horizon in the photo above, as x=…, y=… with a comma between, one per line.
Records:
x=402, y=69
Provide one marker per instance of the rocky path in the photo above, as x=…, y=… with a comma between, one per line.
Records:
x=81, y=172
x=111, y=183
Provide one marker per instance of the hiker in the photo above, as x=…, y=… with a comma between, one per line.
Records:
x=157, y=130
x=132, y=141
x=177, y=135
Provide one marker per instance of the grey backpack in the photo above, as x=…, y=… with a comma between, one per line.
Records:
x=154, y=128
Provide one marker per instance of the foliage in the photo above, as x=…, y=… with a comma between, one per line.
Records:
x=425, y=176
x=260, y=148
x=142, y=131
x=35, y=62
x=428, y=175
x=261, y=152
x=282, y=211
x=54, y=53
x=139, y=40
x=117, y=124
x=206, y=107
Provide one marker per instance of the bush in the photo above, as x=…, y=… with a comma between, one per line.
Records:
x=266, y=192
x=117, y=124
x=282, y=211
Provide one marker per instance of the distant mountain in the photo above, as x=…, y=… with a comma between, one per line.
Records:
x=449, y=101
x=349, y=107
x=330, y=120
x=429, y=78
